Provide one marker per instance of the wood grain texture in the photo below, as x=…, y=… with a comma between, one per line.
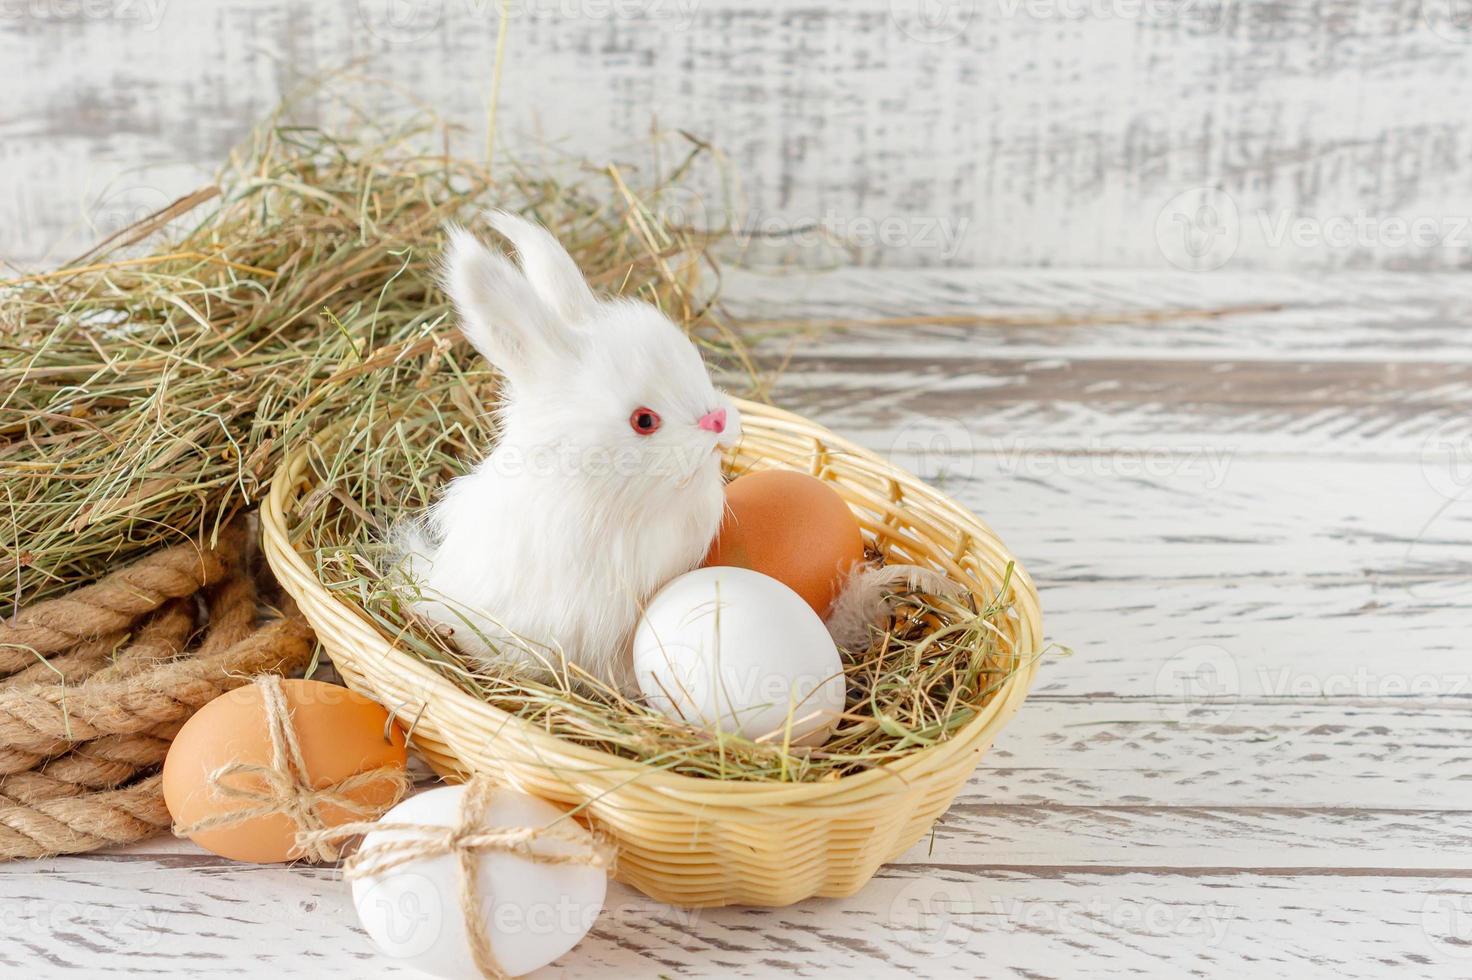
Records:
x=1113, y=313
x=1086, y=751
x=1252, y=530
x=1334, y=366
x=894, y=132
x=939, y=920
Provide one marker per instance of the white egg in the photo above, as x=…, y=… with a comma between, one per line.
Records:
x=733, y=650
x=533, y=912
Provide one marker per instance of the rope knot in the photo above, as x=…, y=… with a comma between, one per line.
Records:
x=468, y=838
x=284, y=786
x=458, y=838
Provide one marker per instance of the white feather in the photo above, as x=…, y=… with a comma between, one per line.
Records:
x=868, y=597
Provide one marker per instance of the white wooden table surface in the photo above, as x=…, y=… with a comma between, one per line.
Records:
x=1255, y=532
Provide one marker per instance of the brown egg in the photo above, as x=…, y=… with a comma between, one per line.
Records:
x=341, y=733
x=793, y=527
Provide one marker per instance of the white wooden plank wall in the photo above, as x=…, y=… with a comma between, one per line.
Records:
x=1103, y=133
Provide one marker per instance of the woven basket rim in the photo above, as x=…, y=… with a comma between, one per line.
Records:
x=297, y=575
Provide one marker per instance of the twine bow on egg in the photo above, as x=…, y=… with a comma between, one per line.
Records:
x=468, y=839
x=284, y=787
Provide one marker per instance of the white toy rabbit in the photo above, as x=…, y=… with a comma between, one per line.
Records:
x=605, y=482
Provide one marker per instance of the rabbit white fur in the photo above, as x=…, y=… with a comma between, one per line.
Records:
x=549, y=548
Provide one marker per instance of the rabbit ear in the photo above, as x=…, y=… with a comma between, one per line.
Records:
x=548, y=267
x=500, y=313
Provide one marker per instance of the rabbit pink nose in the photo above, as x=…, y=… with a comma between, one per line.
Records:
x=714, y=421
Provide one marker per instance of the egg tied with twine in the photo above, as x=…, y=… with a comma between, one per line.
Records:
x=284, y=786
x=468, y=839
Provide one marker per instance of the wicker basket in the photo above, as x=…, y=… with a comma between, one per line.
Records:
x=685, y=840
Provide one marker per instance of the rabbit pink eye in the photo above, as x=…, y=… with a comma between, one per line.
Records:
x=644, y=421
